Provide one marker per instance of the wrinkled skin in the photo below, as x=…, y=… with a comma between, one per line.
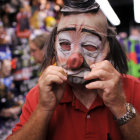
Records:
x=51, y=87
x=108, y=87
x=85, y=37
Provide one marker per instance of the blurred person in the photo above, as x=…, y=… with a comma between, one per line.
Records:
x=87, y=95
x=5, y=69
x=8, y=108
x=4, y=37
x=37, y=47
x=134, y=33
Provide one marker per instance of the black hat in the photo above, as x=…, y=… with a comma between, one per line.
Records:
x=79, y=6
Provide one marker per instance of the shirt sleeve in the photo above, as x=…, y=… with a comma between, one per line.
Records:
x=131, y=87
x=27, y=109
x=136, y=98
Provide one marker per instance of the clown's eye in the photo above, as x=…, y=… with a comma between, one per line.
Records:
x=89, y=47
x=66, y=46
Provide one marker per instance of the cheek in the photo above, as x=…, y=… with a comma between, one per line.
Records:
x=60, y=55
x=42, y=53
x=37, y=54
x=100, y=56
x=103, y=54
x=90, y=60
x=61, y=60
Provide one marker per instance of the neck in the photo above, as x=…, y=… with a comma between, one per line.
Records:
x=85, y=96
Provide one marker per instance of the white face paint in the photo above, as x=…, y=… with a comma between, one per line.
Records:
x=92, y=47
x=87, y=44
x=83, y=34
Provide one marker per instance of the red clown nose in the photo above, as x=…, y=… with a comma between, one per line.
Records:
x=75, y=61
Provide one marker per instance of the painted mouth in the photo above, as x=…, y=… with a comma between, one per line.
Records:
x=77, y=76
x=79, y=80
x=78, y=73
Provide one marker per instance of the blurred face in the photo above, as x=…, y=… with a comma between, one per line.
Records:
x=6, y=68
x=81, y=42
x=36, y=53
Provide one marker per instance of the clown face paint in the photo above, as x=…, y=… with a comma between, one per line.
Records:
x=79, y=44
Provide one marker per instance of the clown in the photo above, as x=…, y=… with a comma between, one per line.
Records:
x=81, y=42
x=79, y=97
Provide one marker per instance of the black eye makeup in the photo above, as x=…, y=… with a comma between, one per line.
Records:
x=65, y=44
x=89, y=47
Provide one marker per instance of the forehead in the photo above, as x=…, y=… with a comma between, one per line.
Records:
x=93, y=21
x=32, y=45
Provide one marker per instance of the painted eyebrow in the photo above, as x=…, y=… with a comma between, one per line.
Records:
x=92, y=32
x=83, y=30
x=66, y=29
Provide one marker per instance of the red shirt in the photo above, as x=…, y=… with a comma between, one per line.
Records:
x=72, y=121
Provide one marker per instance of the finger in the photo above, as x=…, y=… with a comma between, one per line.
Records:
x=54, y=70
x=106, y=86
x=58, y=73
x=98, y=74
x=53, y=79
x=57, y=68
x=96, y=85
x=105, y=65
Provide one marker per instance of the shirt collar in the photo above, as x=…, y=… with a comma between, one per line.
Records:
x=69, y=97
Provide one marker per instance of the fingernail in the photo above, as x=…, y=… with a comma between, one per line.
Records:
x=92, y=66
x=85, y=76
x=65, y=70
x=87, y=86
x=65, y=78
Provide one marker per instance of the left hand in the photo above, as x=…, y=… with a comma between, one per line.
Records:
x=109, y=86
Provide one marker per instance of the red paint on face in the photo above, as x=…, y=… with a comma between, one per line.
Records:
x=75, y=61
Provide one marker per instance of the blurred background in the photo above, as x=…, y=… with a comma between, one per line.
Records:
x=25, y=26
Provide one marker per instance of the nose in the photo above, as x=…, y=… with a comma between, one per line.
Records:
x=75, y=61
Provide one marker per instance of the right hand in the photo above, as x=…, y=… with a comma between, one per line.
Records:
x=51, y=87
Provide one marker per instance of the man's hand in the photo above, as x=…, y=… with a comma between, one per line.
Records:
x=109, y=86
x=51, y=87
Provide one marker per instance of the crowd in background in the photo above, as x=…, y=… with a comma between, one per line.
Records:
x=24, y=29
x=21, y=22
